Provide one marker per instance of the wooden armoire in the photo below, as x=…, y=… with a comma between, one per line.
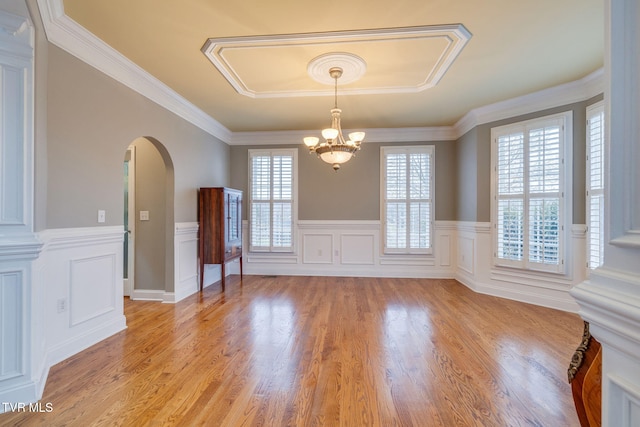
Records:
x=220, y=228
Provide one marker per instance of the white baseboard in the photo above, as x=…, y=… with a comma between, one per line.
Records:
x=63, y=350
x=147, y=295
x=24, y=392
x=559, y=300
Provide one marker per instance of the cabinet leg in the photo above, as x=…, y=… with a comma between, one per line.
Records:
x=201, y=274
x=223, y=276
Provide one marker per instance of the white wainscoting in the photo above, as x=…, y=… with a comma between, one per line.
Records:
x=186, y=280
x=81, y=270
x=185, y=261
x=475, y=269
x=352, y=248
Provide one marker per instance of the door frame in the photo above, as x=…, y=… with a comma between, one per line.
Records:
x=129, y=283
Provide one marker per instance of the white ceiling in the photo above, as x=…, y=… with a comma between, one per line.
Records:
x=420, y=70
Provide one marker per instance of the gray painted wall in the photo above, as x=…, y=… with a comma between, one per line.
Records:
x=85, y=121
x=467, y=174
x=91, y=121
x=151, y=195
x=353, y=193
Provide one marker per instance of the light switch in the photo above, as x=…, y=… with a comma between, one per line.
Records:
x=144, y=215
x=102, y=216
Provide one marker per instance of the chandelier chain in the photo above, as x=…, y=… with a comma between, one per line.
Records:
x=335, y=92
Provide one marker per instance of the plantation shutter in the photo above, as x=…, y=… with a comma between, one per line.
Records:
x=595, y=187
x=420, y=200
x=528, y=202
x=282, y=201
x=396, y=207
x=260, y=225
x=510, y=195
x=544, y=195
x=271, y=210
x=408, y=202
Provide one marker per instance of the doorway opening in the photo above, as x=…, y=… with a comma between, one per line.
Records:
x=148, y=253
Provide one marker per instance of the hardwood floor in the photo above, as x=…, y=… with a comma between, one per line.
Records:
x=307, y=351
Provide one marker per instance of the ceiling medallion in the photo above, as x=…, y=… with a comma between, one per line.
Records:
x=353, y=67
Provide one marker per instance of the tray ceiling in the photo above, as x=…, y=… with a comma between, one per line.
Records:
x=390, y=60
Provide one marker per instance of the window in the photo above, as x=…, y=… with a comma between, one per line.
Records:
x=529, y=183
x=595, y=185
x=271, y=200
x=407, y=208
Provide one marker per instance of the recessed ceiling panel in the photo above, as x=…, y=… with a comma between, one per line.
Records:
x=397, y=60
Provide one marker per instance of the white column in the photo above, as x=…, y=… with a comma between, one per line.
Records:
x=18, y=245
x=610, y=299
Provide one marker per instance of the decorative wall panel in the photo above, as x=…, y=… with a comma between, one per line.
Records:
x=91, y=290
x=11, y=324
x=357, y=249
x=317, y=248
x=444, y=250
x=466, y=254
x=186, y=261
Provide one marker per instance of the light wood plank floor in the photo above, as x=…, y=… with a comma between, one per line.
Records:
x=307, y=351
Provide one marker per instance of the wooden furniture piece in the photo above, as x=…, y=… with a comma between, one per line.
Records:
x=220, y=228
x=585, y=377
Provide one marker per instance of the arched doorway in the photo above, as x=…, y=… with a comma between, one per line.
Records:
x=149, y=221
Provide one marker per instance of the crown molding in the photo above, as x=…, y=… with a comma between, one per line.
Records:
x=76, y=40
x=386, y=135
x=568, y=93
x=565, y=94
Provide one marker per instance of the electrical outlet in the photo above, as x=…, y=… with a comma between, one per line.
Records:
x=62, y=305
x=144, y=215
x=102, y=216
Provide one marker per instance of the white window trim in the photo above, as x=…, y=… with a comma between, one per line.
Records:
x=429, y=149
x=566, y=197
x=294, y=214
x=593, y=110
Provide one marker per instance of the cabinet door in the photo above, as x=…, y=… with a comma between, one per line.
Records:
x=233, y=223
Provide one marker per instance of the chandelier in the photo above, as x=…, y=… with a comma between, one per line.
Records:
x=335, y=150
